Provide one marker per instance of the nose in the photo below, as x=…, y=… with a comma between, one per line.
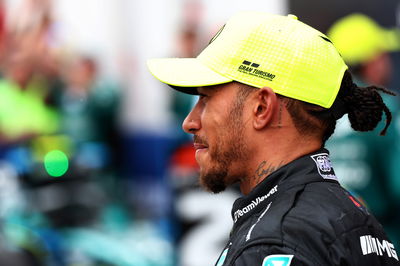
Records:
x=192, y=123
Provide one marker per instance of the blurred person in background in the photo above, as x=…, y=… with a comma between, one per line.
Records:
x=367, y=163
x=24, y=112
x=270, y=90
x=27, y=72
x=89, y=109
x=29, y=69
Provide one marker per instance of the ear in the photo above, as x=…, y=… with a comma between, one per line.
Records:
x=264, y=109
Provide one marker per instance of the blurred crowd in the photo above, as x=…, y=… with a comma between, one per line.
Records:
x=75, y=189
x=60, y=196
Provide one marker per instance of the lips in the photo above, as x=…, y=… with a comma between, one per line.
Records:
x=199, y=146
x=199, y=143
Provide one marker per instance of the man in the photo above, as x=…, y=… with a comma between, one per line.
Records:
x=271, y=89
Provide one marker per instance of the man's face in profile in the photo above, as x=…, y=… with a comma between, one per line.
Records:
x=219, y=136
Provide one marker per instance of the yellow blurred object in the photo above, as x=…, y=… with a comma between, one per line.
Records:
x=44, y=144
x=261, y=49
x=359, y=39
x=24, y=113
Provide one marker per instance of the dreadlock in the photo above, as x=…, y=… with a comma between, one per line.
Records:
x=364, y=106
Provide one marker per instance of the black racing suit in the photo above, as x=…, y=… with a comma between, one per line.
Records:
x=300, y=215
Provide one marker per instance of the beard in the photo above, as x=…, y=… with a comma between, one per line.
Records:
x=229, y=149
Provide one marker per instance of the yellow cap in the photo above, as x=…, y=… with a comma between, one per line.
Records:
x=358, y=38
x=262, y=50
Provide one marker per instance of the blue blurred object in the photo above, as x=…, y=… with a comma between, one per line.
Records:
x=147, y=158
x=20, y=157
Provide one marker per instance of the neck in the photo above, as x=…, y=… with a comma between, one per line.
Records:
x=273, y=156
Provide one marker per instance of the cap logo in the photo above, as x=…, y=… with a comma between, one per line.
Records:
x=251, y=68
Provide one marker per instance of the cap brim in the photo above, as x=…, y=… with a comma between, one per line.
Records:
x=184, y=74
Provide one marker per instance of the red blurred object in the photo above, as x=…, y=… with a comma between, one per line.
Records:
x=184, y=157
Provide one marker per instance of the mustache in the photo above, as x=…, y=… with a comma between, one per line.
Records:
x=199, y=140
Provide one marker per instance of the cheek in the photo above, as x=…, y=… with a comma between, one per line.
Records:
x=215, y=116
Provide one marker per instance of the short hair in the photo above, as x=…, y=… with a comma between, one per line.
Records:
x=364, y=106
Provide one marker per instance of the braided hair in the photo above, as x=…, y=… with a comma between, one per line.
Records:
x=364, y=106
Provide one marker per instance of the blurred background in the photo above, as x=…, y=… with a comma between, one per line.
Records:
x=94, y=166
